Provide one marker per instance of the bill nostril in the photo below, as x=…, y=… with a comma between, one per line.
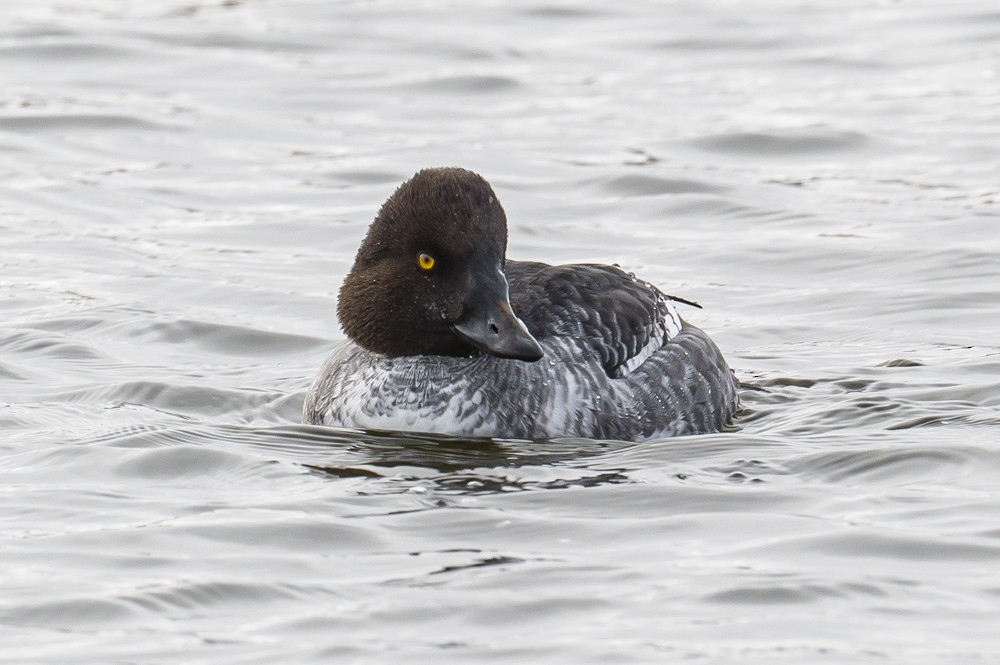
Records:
x=494, y=328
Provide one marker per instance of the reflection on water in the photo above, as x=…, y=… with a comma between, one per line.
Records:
x=453, y=465
x=184, y=184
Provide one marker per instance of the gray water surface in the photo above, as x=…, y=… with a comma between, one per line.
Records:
x=183, y=185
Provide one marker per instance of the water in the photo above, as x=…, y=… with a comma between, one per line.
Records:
x=184, y=185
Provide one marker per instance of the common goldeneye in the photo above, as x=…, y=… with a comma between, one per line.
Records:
x=447, y=336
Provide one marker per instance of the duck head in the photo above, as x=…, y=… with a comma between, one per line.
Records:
x=429, y=276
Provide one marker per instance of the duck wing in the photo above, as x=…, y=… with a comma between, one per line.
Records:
x=621, y=319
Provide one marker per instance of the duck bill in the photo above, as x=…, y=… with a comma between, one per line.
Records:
x=490, y=325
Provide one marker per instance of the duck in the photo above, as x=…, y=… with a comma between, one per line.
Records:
x=445, y=335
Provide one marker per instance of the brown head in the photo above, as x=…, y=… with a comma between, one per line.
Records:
x=428, y=278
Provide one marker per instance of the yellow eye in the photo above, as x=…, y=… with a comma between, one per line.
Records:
x=426, y=261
